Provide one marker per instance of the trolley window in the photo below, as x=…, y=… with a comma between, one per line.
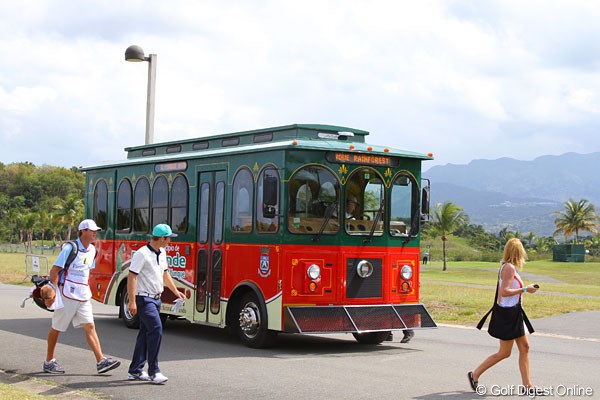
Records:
x=313, y=201
x=124, y=203
x=404, y=207
x=243, y=194
x=365, y=203
x=160, y=201
x=267, y=201
x=219, y=208
x=141, y=206
x=179, y=204
x=203, y=215
x=101, y=204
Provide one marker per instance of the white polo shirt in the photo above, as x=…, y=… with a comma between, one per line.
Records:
x=149, y=268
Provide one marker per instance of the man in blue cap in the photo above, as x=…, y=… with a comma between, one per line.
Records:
x=148, y=276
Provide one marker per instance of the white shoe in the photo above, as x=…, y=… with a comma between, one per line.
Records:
x=158, y=378
x=138, y=376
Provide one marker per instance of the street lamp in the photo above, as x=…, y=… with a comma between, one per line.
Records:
x=136, y=54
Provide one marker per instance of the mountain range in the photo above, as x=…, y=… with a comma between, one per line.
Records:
x=519, y=195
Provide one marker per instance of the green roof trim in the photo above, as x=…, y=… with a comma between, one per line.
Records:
x=291, y=137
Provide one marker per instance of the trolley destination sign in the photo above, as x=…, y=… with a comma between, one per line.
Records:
x=361, y=158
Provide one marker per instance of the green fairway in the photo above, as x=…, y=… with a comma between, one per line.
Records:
x=465, y=291
x=12, y=267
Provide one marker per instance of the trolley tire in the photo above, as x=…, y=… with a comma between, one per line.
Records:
x=252, y=325
x=130, y=321
x=371, y=337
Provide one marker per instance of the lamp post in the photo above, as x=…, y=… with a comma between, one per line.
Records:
x=136, y=54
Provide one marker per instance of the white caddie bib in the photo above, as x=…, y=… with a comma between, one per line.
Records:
x=75, y=286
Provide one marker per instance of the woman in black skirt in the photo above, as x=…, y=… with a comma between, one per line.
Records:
x=510, y=290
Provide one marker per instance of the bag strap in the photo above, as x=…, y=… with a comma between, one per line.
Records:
x=480, y=324
x=70, y=258
x=526, y=321
x=72, y=254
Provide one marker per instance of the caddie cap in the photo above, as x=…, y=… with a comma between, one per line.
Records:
x=163, y=230
x=89, y=224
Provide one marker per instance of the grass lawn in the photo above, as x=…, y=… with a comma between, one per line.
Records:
x=9, y=392
x=12, y=267
x=450, y=300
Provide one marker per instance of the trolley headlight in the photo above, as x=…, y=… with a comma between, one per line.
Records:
x=364, y=269
x=406, y=272
x=314, y=271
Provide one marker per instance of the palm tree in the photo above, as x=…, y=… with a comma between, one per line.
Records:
x=71, y=212
x=14, y=218
x=447, y=218
x=44, y=223
x=578, y=216
x=504, y=235
x=30, y=223
x=530, y=238
x=543, y=244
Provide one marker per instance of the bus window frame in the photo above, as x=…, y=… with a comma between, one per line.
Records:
x=357, y=189
x=129, y=208
x=310, y=228
x=260, y=205
x=415, y=205
x=96, y=212
x=186, y=198
x=236, y=187
x=140, y=180
x=165, y=209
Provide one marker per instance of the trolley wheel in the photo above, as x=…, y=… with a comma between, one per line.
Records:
x=252, y=322
x=130, y=321
x=371, y=337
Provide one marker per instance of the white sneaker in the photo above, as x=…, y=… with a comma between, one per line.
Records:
x=138, y=376
x=158, y=378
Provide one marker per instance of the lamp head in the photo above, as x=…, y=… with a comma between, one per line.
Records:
x=134, y=53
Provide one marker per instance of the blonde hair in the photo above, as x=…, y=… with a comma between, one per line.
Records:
x=514, y=253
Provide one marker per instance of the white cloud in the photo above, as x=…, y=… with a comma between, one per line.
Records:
x=462, y=79
x=22, y=99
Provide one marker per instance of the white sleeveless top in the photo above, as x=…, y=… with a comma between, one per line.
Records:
x=517, y=283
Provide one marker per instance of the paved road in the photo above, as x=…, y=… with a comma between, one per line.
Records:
x=204, y=363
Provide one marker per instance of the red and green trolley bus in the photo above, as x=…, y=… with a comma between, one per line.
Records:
x=267, y=238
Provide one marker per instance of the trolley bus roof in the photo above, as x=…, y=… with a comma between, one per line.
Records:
x=298, y=136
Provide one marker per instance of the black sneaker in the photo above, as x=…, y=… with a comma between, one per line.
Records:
x=106, y=364
x=53, y=367
x=408, y=334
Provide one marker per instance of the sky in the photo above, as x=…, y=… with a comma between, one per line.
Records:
x=463, y=80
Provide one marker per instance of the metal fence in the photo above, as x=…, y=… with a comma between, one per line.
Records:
x=35, y=265
x=36, y=249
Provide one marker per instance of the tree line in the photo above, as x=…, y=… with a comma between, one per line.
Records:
x=577, y=217
x=46, y=203
x=39, y=203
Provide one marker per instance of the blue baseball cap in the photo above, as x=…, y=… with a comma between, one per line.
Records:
x=163, y=230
